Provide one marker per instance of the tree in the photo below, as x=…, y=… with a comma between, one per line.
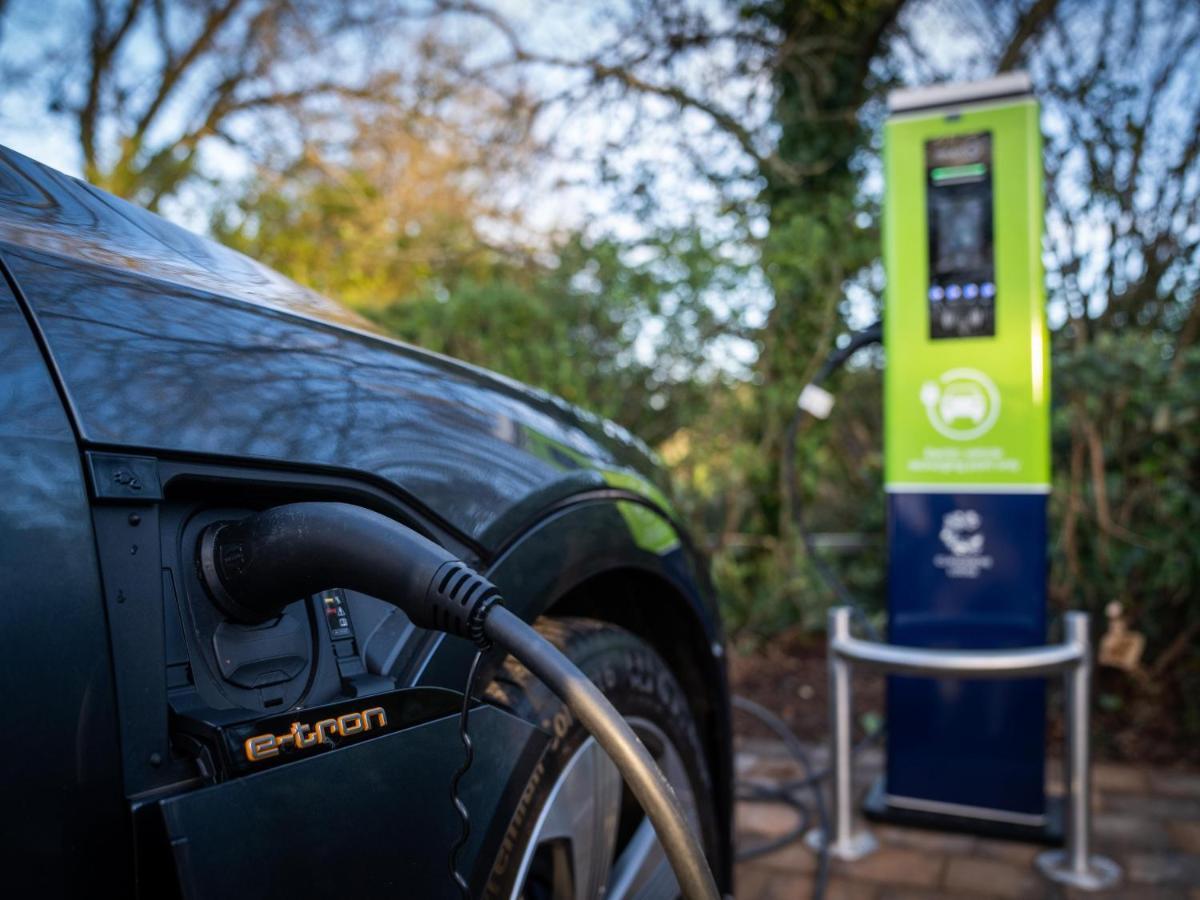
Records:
x=391, y=211
x=148, y=86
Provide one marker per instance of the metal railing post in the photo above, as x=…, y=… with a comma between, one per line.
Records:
x=1075, y=864
x=847, y=843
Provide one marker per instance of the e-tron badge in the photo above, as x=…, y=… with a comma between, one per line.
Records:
x=302, y=736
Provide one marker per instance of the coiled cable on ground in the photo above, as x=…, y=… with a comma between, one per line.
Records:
x=788, y=793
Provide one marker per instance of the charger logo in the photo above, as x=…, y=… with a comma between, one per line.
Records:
x=302, y=737
x=962, y=404
x=962, y=534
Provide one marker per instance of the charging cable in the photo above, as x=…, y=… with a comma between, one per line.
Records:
x=256, y=566
x=816, y=402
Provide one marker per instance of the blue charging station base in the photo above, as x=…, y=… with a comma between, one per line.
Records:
x=966, y=571
x=877, y=808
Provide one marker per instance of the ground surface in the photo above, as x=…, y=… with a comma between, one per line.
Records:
x=1147, y=819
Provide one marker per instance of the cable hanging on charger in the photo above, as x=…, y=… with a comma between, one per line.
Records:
x=816, y=402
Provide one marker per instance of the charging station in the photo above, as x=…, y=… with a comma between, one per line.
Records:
x=966, y=435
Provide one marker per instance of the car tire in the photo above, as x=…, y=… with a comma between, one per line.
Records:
x=542, y=860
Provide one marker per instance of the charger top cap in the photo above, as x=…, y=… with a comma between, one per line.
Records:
x=1009, y=85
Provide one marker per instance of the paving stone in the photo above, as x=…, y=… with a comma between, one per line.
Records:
x=759, y=883
x=749, y=880
x=992, y=878
x=846, y=889
x=766, y=820
x=1123, y=831
x=773, y=770
x=1007, y=851
x=1110, y=777
x=920, y=839
x=783, y=887
x=1177, y=869
x=894, y=866
x=743, y=762
x=1154, y=806
x=1185, y=836
x=1176, y=784
x=1141, y=892
x=795, y=858
x=1148, y=820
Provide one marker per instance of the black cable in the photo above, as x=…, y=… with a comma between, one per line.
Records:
x=865, y=338
x=464, y=814
x=786, y=793
x=872, y=334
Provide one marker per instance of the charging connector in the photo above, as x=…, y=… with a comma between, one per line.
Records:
x=256, y=566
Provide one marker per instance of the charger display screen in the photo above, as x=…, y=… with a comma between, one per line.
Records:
x=962, y=271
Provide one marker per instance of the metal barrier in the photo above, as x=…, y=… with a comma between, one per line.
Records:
x=1075, y=864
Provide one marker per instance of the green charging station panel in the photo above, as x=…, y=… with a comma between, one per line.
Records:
x=966, y=441
x=967, y=381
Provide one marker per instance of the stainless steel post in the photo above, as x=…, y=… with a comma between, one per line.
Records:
x=1075, y=864
x=847, y=843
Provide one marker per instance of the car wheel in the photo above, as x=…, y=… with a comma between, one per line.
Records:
x=578, y=833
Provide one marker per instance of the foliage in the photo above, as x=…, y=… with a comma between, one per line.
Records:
x=1125, y=511
x=579, y=327
x=383, y=220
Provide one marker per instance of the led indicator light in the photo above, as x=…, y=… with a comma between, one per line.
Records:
x=956, y=173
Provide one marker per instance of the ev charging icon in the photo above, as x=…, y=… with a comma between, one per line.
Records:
x=962, y=404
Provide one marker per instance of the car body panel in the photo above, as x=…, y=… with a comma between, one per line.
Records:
x=344, y=833
x=60, y=756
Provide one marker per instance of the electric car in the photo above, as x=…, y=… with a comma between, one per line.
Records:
x=153, y=383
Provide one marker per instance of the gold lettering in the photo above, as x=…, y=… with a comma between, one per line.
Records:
x=301, y=736
x=261, y=746
x=378, y=713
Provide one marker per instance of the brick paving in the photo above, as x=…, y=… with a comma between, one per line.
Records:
x=1148, y=820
